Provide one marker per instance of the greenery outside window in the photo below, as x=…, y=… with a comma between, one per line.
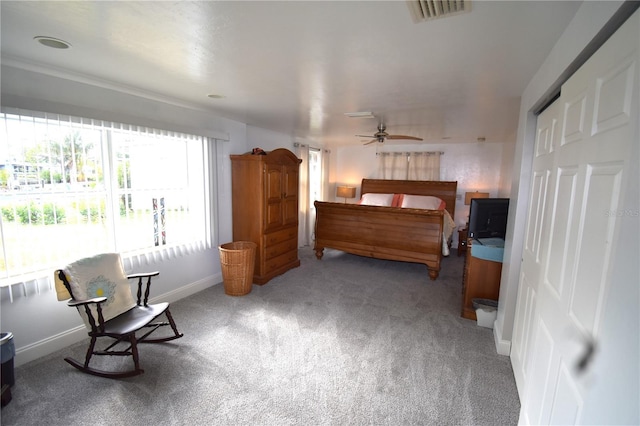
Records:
x=72, y=187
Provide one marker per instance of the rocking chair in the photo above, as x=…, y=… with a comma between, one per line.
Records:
x=100, y=291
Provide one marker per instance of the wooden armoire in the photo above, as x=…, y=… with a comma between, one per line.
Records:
x=265, y=209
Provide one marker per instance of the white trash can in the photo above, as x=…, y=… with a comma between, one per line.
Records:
x=486, y=311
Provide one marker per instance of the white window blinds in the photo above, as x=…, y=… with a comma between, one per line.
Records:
x=72, y=187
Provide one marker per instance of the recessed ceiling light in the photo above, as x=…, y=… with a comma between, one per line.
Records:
x=215, y=96
x=361, y=114
x=54, y=43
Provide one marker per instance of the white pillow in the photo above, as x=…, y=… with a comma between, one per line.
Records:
x=371, y=199
x=97, y=276
x=422, y=202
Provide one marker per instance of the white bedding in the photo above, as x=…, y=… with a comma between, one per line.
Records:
x=447, y=230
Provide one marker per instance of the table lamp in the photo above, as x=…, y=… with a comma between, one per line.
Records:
x=469, y=195
x=346, y=192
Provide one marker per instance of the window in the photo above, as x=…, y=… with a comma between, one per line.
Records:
x=73, y=187
x=409, y=165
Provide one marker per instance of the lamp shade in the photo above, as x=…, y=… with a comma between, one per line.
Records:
x=469, y=195
x=346, y=192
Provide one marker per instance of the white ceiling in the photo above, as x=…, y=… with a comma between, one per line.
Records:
x=296, y=67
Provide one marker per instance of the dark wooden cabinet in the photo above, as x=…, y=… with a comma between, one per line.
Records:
x=265, y=209
x=481, y=280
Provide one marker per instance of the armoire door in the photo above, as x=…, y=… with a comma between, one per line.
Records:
x=291, y=188
x=575, y=344
x=273, y=193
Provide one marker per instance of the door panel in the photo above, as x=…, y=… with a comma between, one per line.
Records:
x=613, y=98
x=273, y=191
x=541, y=371
x=559, y=248
x=594, y=243
x=290, y=208
x=539, y=196
x=568, y=398
x=578, y=189
x=273, y=197
x=574, y=122
x=547, y=140
x=527, y=305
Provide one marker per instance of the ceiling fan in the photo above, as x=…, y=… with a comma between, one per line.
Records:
x=381, y=135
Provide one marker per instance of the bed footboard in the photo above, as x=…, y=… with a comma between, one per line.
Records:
x=392, y=233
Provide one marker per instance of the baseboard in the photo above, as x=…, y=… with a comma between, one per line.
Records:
x=62, y=340
x=49, y=345
x=189, y=289
x=503, y=347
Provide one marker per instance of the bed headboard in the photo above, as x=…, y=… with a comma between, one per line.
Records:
x=445, y=190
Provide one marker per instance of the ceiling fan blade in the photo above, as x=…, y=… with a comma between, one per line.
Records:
x=371, y=141
x=413, y=138
x=365, y=136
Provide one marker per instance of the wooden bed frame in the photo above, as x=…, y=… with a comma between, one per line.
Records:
x=392, y=233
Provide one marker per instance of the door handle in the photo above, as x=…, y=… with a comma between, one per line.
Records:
x=587, y=355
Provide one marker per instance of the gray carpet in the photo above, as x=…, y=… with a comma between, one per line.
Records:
x=342, y=341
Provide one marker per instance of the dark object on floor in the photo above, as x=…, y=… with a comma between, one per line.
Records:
x=7, y=353
x=6, y=395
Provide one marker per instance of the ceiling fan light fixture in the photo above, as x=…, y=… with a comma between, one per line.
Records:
x=360, y=114
x=54, y=43
x=381, y=135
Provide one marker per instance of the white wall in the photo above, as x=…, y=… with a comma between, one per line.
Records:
x=267, y=140
x=588, y=21
x=477, y=166
x=506, y=170
x=38, y=322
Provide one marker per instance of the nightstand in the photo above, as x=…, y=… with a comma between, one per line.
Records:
x=480, y=280
x=462, y=241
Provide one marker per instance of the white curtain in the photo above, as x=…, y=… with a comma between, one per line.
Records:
x=304, y=218
x=326, y=154
x=314, y=185
x=322, y=191
x=424, y=165
x=409, y=165
x=393, y=165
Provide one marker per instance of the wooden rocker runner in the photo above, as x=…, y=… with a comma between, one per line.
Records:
x=100, y=290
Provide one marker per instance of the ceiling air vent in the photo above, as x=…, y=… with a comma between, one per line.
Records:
x=426, y=10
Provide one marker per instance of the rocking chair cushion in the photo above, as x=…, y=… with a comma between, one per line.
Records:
x=101, y=276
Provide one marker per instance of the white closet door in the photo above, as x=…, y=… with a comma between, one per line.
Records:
x=546, y=144
x=584, y=190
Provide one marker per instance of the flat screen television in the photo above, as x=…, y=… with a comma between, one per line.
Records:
x=488, y=217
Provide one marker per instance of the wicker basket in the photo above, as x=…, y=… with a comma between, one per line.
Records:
x=237, y=261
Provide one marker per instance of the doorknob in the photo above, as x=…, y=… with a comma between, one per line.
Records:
x=587, y=354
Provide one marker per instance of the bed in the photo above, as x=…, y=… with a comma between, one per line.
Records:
x=390, y=232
